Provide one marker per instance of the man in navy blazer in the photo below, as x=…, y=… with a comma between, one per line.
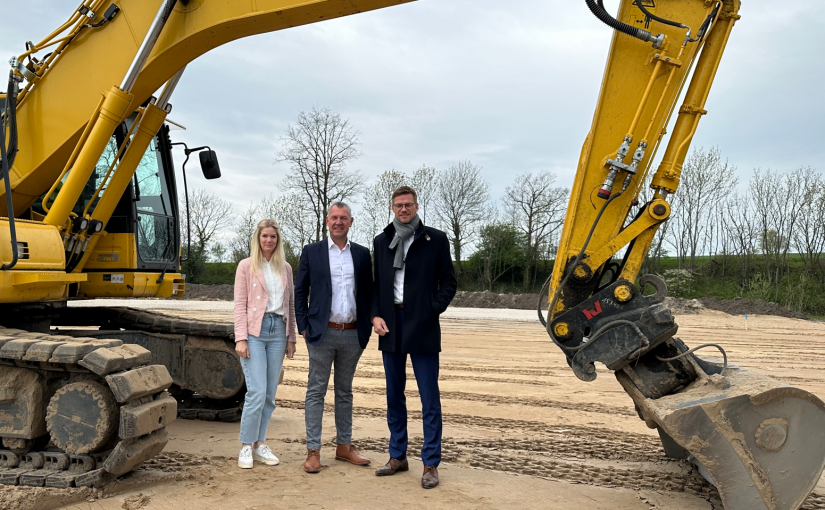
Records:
x=333, y=297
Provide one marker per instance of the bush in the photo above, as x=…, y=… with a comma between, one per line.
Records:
x=679, y=282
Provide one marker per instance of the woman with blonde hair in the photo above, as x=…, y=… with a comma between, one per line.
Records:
x=264, y=332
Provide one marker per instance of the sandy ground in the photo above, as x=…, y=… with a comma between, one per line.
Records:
x=520, y=431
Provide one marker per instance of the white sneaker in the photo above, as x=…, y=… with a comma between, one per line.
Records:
x=265, y=455
x=245, y=458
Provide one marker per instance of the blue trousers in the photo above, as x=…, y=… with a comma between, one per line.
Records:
x=425, y=368
x=262, y=370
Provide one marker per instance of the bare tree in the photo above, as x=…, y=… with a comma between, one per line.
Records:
x=743, y=232
x=705, y=181
x=423, y=181
x=244, y=227
x=209, y=215
x=536, y=209
x=809, y=236
x=460, y=204
x=318, y=148
x=296, y=221
x=778, y=201
x=376, y=204
x=718, y=236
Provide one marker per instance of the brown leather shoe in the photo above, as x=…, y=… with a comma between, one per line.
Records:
x=348, y=453
x=430, y=478
x=313, y=462
x=392, y=466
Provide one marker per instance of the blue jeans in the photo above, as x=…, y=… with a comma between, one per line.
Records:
x=262, y=370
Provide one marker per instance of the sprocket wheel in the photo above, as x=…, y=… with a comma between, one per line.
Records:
x=82, y=417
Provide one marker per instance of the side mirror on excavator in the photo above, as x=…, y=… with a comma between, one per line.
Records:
x=209, y=164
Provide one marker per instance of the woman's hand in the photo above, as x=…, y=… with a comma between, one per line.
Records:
x=242, y=348
x=290, y=350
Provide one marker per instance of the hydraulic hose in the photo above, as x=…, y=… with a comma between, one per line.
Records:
x=564, y=281
x=7, y=157
x=652, y=16
x=691, y=351
x=598, y=10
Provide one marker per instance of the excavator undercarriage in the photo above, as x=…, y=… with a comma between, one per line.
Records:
x=208, y=381
x=78, y=411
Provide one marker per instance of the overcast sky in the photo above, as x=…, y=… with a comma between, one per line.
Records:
x=510, y=86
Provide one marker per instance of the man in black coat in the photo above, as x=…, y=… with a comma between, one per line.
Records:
x=333, y=300
x=414, y=282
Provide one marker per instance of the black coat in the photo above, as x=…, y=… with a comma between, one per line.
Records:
x=313, y=291
x=429, y=286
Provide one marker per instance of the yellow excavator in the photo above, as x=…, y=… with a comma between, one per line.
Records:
x=90, y=203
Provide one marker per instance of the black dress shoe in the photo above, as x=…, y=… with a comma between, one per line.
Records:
x=393, y=466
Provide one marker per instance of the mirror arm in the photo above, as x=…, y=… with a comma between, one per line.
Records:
x=186, y=151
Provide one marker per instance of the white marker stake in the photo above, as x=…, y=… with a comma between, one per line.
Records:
x=746, y=321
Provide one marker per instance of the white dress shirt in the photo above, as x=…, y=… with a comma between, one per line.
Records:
x=342, y=276
x=274, y=287
x=399, y=273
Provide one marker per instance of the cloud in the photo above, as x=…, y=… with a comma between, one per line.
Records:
x=509, y=85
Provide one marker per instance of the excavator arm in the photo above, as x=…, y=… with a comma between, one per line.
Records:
x=754, y=438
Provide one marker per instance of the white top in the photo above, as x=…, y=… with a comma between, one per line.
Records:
x=275, y=303
x=399, y=273
x=342, y=275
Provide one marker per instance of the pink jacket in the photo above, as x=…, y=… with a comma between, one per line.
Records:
x=251, y=297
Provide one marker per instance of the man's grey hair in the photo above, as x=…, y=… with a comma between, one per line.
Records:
x=340, y=205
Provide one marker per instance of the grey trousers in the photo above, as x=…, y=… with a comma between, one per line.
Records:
x=341, y=348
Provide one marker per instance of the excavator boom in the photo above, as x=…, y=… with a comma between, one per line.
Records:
x=755, y=439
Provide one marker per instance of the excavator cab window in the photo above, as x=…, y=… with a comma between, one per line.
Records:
x=98, y=174
x=154, y=215
x=155, y=227
x=146, y=208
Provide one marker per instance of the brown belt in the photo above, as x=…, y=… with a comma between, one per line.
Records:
x=335, y=325
x=399, y=305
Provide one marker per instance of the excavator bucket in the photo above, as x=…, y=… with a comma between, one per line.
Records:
x=760, y=442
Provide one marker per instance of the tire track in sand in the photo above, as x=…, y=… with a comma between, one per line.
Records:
x=500, y=400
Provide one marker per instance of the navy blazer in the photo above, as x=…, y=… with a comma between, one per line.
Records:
x=313, y=291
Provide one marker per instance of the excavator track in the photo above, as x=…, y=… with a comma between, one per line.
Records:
x=78, y=411
x=208, y=381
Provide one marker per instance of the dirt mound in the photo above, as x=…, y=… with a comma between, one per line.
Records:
x=739, y=306
x=489, y=299
x=197, y=292
x=681, y=306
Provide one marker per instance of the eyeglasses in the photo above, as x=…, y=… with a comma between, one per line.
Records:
x=399, y=207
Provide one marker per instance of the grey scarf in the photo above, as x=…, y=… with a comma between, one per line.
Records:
x=403, y=231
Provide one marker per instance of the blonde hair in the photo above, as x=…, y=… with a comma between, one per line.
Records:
x=258, y=260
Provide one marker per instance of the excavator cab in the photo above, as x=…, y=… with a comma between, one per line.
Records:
x=143, y=234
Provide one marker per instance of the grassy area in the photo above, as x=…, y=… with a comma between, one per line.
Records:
x=798, y=288
x=719, y=277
